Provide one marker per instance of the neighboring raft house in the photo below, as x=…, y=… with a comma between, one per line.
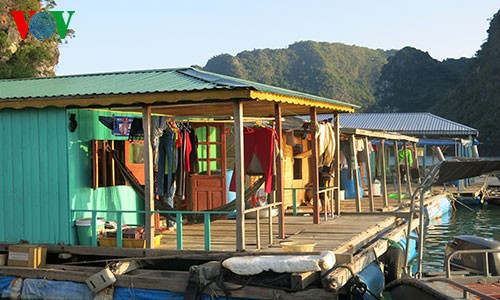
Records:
x=439, y=139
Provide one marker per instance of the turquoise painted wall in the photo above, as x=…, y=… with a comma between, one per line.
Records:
x=81, y=195
x=34, y=176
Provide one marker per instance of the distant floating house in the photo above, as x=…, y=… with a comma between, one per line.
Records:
x=431, y=130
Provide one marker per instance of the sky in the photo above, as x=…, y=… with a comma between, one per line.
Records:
x=121, y=35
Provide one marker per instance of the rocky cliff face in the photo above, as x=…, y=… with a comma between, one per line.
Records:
x=24, y=58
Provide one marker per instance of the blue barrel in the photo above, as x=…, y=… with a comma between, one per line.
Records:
x=347, y=184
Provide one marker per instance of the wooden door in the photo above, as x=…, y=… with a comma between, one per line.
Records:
x=208, y=187
x=134, y=159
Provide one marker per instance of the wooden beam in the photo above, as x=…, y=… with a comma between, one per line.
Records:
x=299, y=281
x=337, y=163
x=378, y=134
x=359, y=241
x=384, y=174
x=280, y=184
x=239, y=175
x=342, y=107
x=415, y=160
x=340, y=276
x=398, y=171
x=407, y=170
x=149, y=179
x=370, y=179
x=315, y=167
x=354, y=168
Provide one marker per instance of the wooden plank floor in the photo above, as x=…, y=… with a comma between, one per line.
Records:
x=328, y=235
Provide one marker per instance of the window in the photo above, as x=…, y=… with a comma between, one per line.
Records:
x=297, y=168
x=210, y=154
x=105, y=170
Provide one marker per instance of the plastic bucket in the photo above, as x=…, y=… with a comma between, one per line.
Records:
x=84, y=230
x=377, y=188
x=347, y=184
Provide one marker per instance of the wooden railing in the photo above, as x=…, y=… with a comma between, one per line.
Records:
x=326, y=190
x=178, y=215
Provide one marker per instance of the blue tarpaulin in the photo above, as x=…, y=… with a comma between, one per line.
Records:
x=55, y=290
x=5, y=284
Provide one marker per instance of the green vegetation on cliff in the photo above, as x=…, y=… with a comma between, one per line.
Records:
x=332, y=70
x=412, y=81
x=476, y=100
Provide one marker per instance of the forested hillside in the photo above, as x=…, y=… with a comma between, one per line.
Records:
x=476, y=101
x=332, y=70
x=412, y=81
x=465, y=90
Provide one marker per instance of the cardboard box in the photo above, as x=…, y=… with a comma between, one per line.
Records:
x=28, y=256
x=3, y=259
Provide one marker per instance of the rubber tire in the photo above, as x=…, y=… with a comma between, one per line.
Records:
x=394, y=260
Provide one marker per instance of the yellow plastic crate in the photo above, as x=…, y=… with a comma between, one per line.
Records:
x=128, y=243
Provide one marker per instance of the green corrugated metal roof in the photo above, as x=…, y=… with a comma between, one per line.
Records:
x=136, y=82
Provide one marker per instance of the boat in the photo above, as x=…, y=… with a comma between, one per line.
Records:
x=472, y=263
x=471, y=266
x=492, y=194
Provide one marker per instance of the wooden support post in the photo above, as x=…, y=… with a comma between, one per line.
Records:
x=415, y=160
x=355, y=168
x=424, y=162
x=279, y=172
x=407, y=168
x=337, y=163
x=149, y=179
x=314, y=167
x=398, y=171
x=370, y=179
x=384, y=174
x=113, y=182
x=239, y=175
x=257, y=229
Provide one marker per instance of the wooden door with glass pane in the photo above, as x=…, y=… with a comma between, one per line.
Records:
x=208, y=187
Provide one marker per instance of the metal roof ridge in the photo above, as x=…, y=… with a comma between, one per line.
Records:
x=451, y=121
x=95, y=74
x=214, y=82
x=282, y=89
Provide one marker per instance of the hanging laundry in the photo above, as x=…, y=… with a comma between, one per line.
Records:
x=259, y=144
x=326, y=144
x=193, y=156
x=166, y=160
x=181, y=165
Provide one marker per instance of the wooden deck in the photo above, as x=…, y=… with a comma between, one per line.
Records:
x=329, y=235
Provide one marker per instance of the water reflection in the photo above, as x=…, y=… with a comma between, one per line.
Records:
x=482, y=221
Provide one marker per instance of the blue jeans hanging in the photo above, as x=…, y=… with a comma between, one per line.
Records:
x=165, y=154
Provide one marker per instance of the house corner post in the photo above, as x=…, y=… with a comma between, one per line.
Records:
x=239, y=175
x=337, y=163
x=279, y=170
x=148, y=175
x=315, y=167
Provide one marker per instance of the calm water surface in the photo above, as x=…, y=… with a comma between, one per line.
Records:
x=482, y=221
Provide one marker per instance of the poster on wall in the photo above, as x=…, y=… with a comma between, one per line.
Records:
x=122, y=126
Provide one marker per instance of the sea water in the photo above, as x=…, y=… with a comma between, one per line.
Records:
x=479, y=220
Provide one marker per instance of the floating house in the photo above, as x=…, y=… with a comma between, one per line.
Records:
x=55, y=160
x=81, y=148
